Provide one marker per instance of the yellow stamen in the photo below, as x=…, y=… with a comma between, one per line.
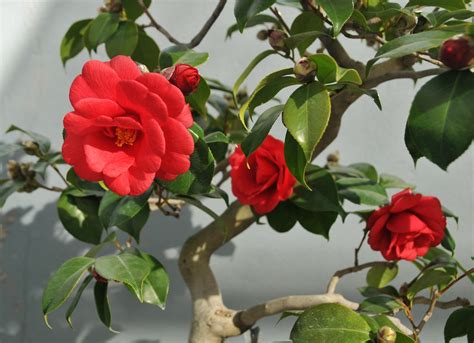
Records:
x=125, y=136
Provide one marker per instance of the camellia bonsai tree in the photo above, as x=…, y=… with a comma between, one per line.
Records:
x=146, y=133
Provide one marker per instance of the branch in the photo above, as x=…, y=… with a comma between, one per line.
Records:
x=198, y=37
x=402, y=74
x=249, y=317
x=444, y=305
x=340, y=273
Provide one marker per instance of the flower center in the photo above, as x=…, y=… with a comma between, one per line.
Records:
x=125, y=136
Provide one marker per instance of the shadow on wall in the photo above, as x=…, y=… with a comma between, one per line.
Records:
x=31, y=252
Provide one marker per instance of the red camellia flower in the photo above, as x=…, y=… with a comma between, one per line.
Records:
x=263, y=179
x=183, y=76
x=127, y=127
x=457, y=53
x=407, y=227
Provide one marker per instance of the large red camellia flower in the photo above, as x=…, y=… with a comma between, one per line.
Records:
x=407, y=227
x=127, y=127
x=263, y=179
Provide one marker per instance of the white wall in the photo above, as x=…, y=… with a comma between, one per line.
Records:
x=259, y=264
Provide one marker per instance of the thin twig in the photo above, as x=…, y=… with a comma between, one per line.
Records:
x=444, y=305
x=340, y=273
x=277, y=14
x=51, y=189
x=356, y=252
x=403, y=74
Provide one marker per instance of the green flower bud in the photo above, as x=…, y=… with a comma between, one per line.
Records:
x=262, y=35
x=386, y=335
x=305, y=70
x=31, y=148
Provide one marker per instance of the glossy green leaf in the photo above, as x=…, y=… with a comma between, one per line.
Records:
x=124, y=41
x=380, y=304
x=198, y=203
x=306, y=115
x=362, y=191
x=297, y=39
x=338, y=11
x=116, y=210
x=261, y=129
x=102, y=304
x=80, y=217
x=380, y=276
x=216, y=137
x=198, y=98
x=448, y=242
x=392, y=181
x=317, y=222
x=126, y=268
x=306, y=22
x=447, y=4
x=460, y=323
x=409, y=44
x=9, y=187
x=328, y=71
x=156, y=285
x=441, y=122
x=245, y=9
x=76, y=299
x=373, y=291
x=147, y=51
x=369, y=92
x=329, y=323
x=82, y=187
x=110, y=239
x=135, y=225
x=367, y=170
x=295, y=159
x=254, y=21
x=283, y=217
x=73, y=41
x=133, y=9
x=430, y=278
x=41, y=140
x=440, y=17
x=101, y=29
x=62, y=283
x=179, y=54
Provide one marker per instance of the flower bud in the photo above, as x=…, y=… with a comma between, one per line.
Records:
x=31, y=148
x=13, y=170
x=305, y=70
x=386, y=335
x=457, y=53
x=262, y=35
x=276, y=38
x=183, y=76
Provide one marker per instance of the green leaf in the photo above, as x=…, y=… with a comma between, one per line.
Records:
x=338, y=11
x=367, y=170
x=409, y=44
x=102, y=304
x=306, y=115
x=123, y=41
x=116, y=210
x=111, y=237
x=42, y=141
x=329, y=323
x=83, y=187
x=198, y=203
x=179, y=54
x=80, y=217
x=441, y=122
x=323, y=197
x=197, y=180
x=261, y=129
x=295, y=159
x=254, y=21
x=440, y=17
x=9, y=187
x=376, y=322
x=156, y=285
x=198, y=98
x=297, y=39
x=380, y=276
x=133, y=9
x=447, y=4
x=283, y=217
x=362, y=191
x=126, y=268
x=266, y=89
x=147, y=51
x=134, y=226
x=101, y=29
x=373, y=291
x=448, y=242
x=62, y=283
x=460, y=323
x=317, y=222
x=257, y=59
x=306, y=22
x=369, y=92
x=430, y=278
x=391, y=181
x=380, y=304
x=245, y=9
x=73, y=41
x=9, y=149
x=216, y=137
x=328, y=71
x=76, y=299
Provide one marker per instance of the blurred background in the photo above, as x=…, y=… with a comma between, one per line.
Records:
x=258, y=265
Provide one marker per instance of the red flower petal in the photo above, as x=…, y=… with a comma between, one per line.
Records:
x=92, y=107
x=404, y=201
x=125, y=68
x=173, y=129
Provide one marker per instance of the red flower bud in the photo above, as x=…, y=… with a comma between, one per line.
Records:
x=183, y=76
x=457, y=53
